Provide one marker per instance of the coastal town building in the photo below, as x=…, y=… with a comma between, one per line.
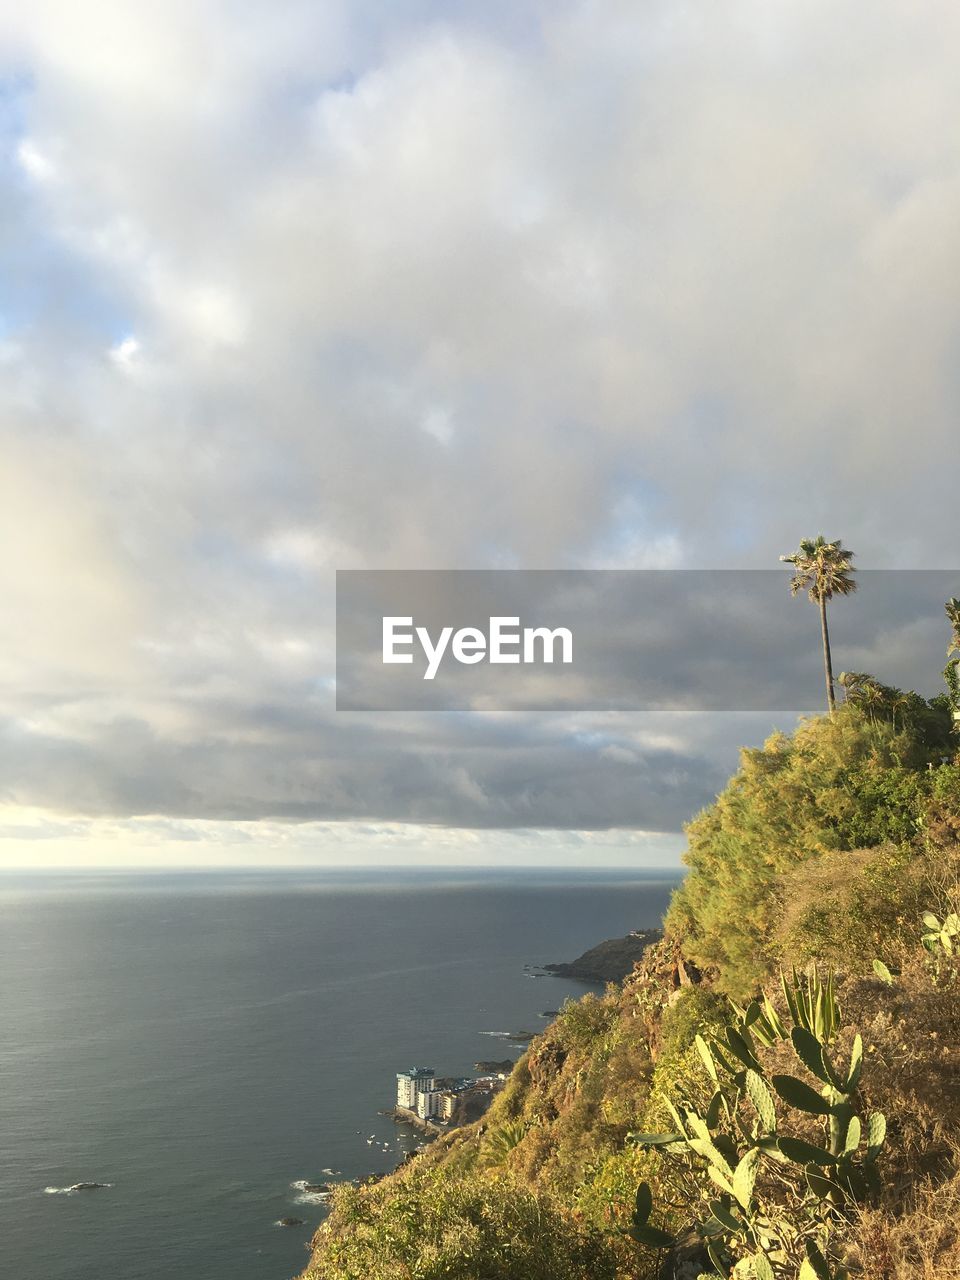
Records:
x=412, y=1083
x=440, y=1104
x=429, y=1103
x=437, y=1102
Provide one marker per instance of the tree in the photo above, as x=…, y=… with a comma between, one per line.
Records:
x=825, y=570
x=952, y=610
x=951, y=672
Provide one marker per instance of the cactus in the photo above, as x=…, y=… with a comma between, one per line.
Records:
x=640, y=1229
x=939, y=935
x=882, y=972
x=728, y=1148
x=816, y=1267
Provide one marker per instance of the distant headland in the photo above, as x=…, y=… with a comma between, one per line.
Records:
x=609, y=961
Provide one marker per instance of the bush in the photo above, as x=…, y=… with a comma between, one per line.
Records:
x=584, y=1023
x=835, y=786
x=848, y=909
x=435, y=1227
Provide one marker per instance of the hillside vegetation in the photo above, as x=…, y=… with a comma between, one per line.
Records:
x=774, y=1092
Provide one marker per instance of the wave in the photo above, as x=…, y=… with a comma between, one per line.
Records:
x=312, y=1197
x=309, y=1193
x=75, y=1188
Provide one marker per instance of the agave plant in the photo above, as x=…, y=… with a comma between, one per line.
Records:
x=499, y=1142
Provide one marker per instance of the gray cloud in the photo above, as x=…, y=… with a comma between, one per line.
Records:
x=454, y=771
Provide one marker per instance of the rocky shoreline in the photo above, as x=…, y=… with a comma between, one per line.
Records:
x=609, y=961
x=411, y=1117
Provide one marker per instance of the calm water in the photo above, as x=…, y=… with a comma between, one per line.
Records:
x=202, y=1042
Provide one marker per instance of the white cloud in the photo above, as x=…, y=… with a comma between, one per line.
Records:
x=32, y=838
x=125, y=351
x=35, y=162
x=585, y=283
x=438, y=424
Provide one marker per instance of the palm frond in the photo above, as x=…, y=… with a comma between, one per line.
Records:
x=823, y=568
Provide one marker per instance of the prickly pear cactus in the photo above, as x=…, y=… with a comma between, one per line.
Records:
x=769, y=1198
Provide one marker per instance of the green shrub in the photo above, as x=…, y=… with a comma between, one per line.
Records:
x=836, y=785
x=583, y=1023
x=694, y=1011
x=500, y=1141
x=435, y=1227
x=512, y=1099
x=847, y=909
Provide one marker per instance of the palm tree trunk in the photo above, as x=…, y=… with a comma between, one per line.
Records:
x=827, y=663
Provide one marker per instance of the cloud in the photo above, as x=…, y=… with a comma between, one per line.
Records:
x=34, y=163
x=244, y=763
x=442, y=285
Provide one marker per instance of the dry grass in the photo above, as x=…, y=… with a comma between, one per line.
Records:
x=917, y=1239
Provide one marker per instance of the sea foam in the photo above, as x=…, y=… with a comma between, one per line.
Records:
x=76, y=1188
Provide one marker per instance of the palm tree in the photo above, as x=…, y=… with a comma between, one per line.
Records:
x=952, y=609
x=951, y=672
x=824, y=569
x=900, y=702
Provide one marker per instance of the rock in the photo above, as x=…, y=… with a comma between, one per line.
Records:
x=688, y=975
x=610, y=961
x=472, y=1104
x=290, y=1222
x=658, y=981
x=546, y=1063
x=494, y=1068
x=686, y=1260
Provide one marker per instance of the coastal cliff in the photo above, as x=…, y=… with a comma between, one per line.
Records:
x=773, y=1091
x=609, y=961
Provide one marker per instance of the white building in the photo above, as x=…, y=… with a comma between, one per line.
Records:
x=430, y=1103
x=412, y=1083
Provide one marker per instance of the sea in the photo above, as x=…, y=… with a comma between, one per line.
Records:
x=205, y=1044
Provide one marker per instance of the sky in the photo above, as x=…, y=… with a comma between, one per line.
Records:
x=293, y=287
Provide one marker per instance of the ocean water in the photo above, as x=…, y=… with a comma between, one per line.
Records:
x=203, y=1042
